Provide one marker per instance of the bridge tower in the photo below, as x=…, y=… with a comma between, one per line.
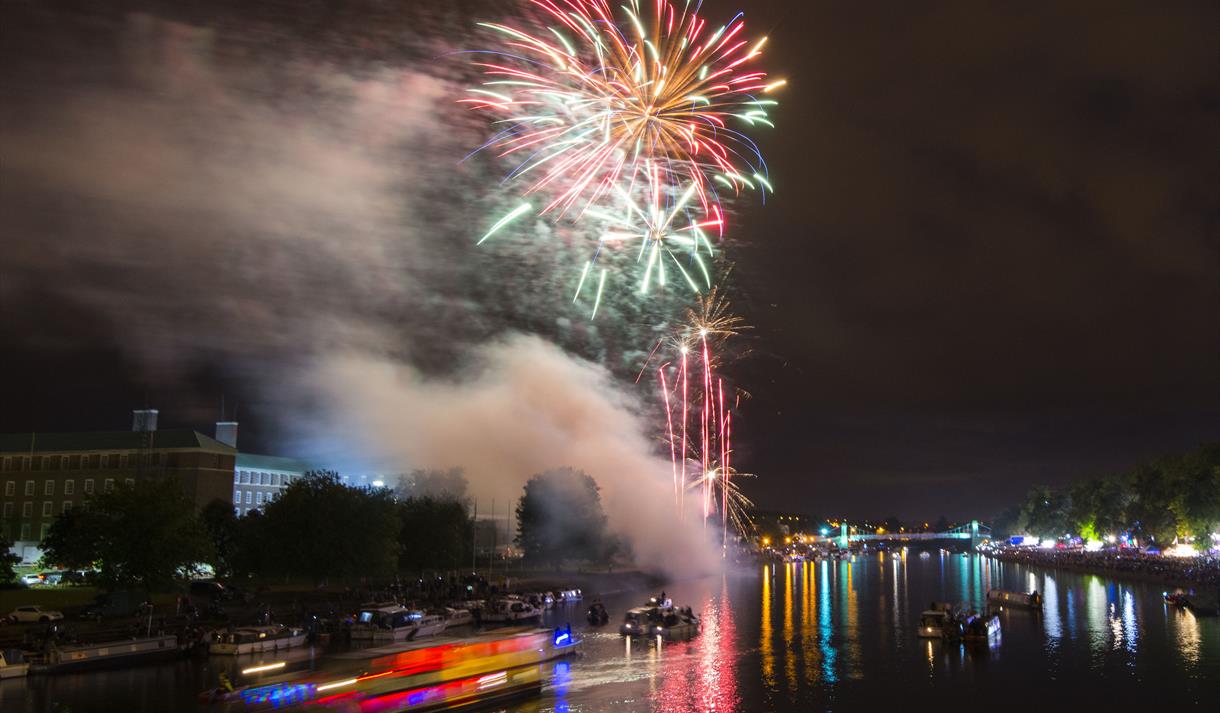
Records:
x=974, y=535
x=843, y=543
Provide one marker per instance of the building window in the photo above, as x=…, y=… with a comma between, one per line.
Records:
x=237, y=512
x=74, y=463
x=8, y=464
x=237, y=496
x=43, y=534
x=49, y=488
x=10, y=488
x=29, y=487
x=69, y=487
x=258, y=498
x=66, y=506
x=236, y=477
x=25, y=530
x=108, y=485
x=249, y=497
x=46, y=508
x=245, y=476
x=262, y=478
x=88, y=486
x=130, y=482
x=27, y=509
x=8, y=510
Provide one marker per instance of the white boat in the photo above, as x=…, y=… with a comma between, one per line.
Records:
x=255, y=639
x=669, y=622
x=925, y=555
x=508, y=611
x=938, y=624
x=456, y=617
x=426, y=625
x=12, y=670
x=384, y=623
x=570, y=595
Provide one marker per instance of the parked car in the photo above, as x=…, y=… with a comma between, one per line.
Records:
x=52, y=577
x=32, y=613
x=31, y=580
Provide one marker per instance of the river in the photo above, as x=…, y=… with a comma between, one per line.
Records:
x=821, y=636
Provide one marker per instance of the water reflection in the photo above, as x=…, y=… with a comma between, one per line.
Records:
x=765, y=643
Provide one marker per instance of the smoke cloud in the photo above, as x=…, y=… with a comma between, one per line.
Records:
x=303, y=222
x=518, y=406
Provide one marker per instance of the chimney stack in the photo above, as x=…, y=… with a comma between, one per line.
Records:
x=144, y=419
x=226, y=433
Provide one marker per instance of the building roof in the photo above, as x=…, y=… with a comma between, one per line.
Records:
x=108, y=441
x=261, y=462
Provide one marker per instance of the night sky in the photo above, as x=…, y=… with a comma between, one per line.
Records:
x=991, y=260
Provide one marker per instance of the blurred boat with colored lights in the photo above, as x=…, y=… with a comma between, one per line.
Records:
x=441, y=674
x=255, y=640
x=668, y=622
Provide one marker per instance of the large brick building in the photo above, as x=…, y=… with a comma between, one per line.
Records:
x=43, y=474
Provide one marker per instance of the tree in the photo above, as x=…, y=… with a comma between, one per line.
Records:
x=1196, y=481
x=1150, y=511
x=142, y=535
x=221, y=524
x=941, y=525
x=322, y=529
x=1045, y=512
x=8, y=560
x=434, y=534
x=560, y=517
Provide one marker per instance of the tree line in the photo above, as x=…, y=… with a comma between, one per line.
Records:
x=1157, y=502
x=149, y=534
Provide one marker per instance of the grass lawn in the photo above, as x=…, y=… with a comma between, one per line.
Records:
x=47, y=597
x=61, y=598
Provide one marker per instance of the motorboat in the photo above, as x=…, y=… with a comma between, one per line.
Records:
x=925, y=555
x=669, y=623
x=981, y=627
x=510, y=611
x=938, y=623
x=597, y=614
x=540, y=600
x=391, y=622
x=570, y=595
x=455, y=617
x=442, y=674
x=115, y=652
x=427, y=624
x=14, y=669
x=255, y=639
x=1003, y=597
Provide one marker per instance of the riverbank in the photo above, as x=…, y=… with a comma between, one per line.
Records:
x=1202, y=571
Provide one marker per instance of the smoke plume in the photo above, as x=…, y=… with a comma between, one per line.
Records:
x=298, y=216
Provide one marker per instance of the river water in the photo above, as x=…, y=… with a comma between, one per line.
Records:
x=819, y=636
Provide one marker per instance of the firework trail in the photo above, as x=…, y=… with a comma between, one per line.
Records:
x=705, y=337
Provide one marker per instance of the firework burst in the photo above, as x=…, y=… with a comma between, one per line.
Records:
x=581, y=102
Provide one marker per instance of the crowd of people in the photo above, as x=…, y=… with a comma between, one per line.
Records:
x=1201, y=569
